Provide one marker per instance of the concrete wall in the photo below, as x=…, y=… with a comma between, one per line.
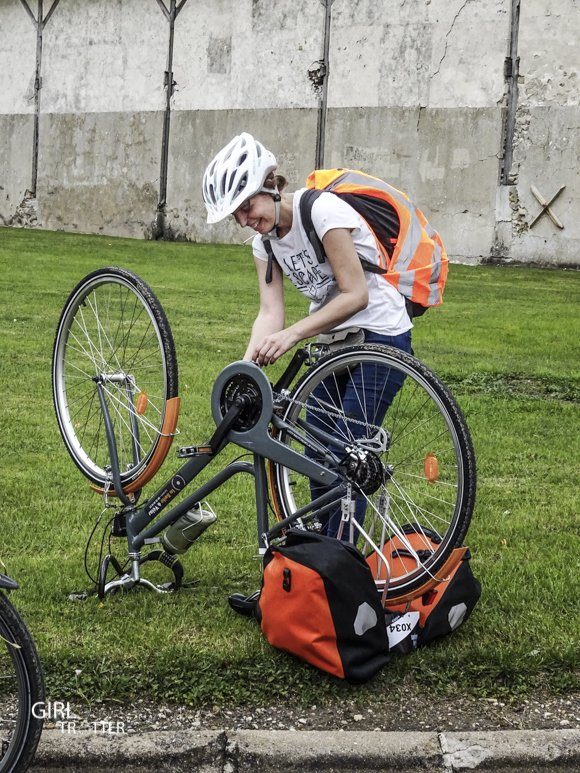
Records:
x=547, y=137
x=416, y=93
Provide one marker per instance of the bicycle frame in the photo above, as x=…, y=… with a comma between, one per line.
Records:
x=142, y=524
x=411, y=469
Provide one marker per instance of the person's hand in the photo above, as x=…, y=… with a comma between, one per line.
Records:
x=274, y=346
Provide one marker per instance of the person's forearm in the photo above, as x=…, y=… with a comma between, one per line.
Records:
x=264, y=325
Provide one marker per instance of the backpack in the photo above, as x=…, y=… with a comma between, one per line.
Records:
x=441, y=609
x=411, y=254
x=319, y=602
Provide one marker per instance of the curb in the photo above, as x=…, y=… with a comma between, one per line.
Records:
x=214, y=751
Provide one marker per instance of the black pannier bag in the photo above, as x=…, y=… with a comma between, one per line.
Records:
x=319, y=602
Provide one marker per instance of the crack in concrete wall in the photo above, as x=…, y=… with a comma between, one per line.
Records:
x=447, y=34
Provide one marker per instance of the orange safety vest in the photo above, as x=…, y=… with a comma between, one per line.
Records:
x=417, y=265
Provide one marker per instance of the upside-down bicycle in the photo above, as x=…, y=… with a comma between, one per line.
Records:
x=115, y=389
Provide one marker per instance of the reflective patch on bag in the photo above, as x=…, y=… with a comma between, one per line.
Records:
x=456, y=615
x=366, y=618
x=401, y=627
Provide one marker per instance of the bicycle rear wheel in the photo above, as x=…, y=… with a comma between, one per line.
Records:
x=21, y=687
x=113, y=329
x=412, y=469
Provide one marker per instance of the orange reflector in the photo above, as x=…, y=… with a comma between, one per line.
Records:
x=431, y=467
x=142, y=402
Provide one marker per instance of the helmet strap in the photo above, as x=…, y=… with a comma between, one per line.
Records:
x=275, y=193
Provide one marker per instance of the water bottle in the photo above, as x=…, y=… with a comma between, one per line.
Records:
x=181, y=535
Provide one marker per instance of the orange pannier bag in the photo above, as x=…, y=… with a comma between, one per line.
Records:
x=412, y=257
x=440, y=610
x=319, y=602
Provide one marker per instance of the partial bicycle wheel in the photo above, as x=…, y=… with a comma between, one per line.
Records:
x=396, y=435
x=114, y=331
x=21, y=687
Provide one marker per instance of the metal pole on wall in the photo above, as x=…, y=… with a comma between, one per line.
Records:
x=171, y=15
x=40, y=21
x=511, y=73
x=324, y=69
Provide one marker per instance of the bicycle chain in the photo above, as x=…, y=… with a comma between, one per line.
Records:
x=326, y=412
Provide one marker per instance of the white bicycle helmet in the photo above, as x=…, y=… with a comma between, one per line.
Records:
x=236, y=174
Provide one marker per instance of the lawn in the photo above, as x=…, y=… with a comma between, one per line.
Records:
x=506, y=341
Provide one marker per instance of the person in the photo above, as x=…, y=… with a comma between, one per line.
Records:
x=347, y=303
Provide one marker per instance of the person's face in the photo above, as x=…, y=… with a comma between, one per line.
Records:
x=258, y=213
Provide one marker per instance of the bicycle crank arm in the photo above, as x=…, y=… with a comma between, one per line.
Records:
x=251, y=429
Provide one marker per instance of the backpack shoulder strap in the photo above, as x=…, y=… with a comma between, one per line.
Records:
x=307, y=200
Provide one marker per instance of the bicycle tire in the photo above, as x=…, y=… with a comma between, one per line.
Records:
x=113, y=327
x=423, y=430
x=21, y=687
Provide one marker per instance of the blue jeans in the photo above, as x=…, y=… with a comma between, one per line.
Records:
x=364, y=394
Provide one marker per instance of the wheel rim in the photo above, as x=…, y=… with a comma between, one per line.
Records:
x=418, y=442
x=108, y=330
x=15, y=703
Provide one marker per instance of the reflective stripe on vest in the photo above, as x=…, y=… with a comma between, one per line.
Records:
x=419, y=264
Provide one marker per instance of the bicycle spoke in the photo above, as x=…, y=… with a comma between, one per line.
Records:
x=398, y=418
x=114, y=331
x=423, y=478
x=428, y=444
x=103, y=333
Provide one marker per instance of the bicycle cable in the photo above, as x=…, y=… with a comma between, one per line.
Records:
x=107, y=526
x=90, y=539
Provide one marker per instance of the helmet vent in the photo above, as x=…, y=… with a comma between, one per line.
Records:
x=223, y=183
x=242, y=184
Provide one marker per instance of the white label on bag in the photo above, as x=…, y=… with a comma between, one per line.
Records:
x=366, y=618
x=401, y=627
x=456, y=615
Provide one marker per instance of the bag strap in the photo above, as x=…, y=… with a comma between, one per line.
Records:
x=308, y=198
x=306, y=201
x=270, y=252
x=268, y=247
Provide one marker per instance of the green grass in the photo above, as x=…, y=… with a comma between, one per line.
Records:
x=506, y=340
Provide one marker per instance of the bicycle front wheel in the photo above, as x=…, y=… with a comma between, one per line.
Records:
x=21, y=687
x=114, y=331
x=400, y=440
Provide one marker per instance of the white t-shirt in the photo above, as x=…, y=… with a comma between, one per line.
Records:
x=385, y=313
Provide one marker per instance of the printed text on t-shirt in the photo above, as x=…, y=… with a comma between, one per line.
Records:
x=306, y=275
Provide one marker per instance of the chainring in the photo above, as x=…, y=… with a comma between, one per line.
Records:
x=241, y=384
